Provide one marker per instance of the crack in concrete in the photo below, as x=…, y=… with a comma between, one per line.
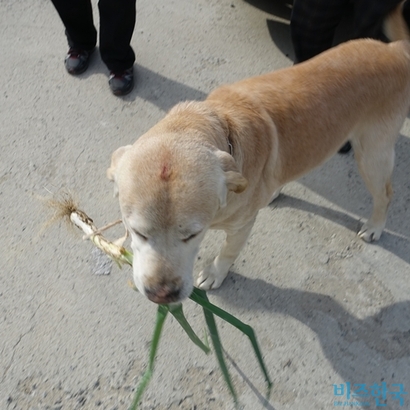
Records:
x=7, y=368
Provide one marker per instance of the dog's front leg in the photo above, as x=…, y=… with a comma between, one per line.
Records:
x=215, y=273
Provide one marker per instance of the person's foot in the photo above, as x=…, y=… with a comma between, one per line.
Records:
x=76, y=60
x=121, y=82
x=346, y=148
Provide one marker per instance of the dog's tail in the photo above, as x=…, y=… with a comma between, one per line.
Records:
x=395, y=26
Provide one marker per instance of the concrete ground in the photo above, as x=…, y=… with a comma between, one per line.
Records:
x=327, y=308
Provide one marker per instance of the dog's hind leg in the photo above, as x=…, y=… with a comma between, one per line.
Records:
x=215, y=273
x=374, y=152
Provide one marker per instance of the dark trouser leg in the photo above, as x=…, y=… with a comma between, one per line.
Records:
x=77, y=18
x=406, y=12
x=369, y=16
x=313, y=24
x=117, y=22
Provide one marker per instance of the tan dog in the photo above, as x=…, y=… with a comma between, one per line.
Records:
x=214, y=164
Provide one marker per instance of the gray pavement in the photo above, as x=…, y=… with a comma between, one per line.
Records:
x=327, y=308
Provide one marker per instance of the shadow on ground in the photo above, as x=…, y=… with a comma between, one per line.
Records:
x=149, y=86
x=348, y=343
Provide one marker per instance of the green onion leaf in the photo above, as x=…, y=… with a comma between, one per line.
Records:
x=199, y=296
x=161, y=316
x=178, y=313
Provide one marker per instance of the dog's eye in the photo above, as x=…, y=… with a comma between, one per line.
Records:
x=140, y=235
x=190, y=237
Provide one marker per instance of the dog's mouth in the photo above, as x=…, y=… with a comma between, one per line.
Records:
x=163, y=296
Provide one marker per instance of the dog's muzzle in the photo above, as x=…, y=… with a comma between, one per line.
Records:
x=163, y=294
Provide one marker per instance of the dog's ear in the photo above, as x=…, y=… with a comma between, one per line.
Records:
x=234, y=180
x=115, y=159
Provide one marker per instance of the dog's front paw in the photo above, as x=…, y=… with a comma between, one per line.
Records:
x=210, y=278
x=370, y=233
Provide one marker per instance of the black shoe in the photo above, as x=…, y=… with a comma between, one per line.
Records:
x=346, y=148
x=122, y=83
x=76, y=61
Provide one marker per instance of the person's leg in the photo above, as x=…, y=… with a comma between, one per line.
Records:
x=313, y=24
x=117, y=22
x=77, y=18
x=369, y=16
x=406, y=12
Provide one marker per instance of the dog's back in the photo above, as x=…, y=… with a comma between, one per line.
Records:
x=316, y=105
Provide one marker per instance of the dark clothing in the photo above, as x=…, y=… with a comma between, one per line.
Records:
x=369, y=16
x=313, y=22
x=117, y=22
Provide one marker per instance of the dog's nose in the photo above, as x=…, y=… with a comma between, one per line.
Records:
x=163, y=294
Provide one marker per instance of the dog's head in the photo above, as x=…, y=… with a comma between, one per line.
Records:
x=169, y=193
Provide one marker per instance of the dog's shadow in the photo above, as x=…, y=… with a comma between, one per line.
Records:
x=341, y=335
